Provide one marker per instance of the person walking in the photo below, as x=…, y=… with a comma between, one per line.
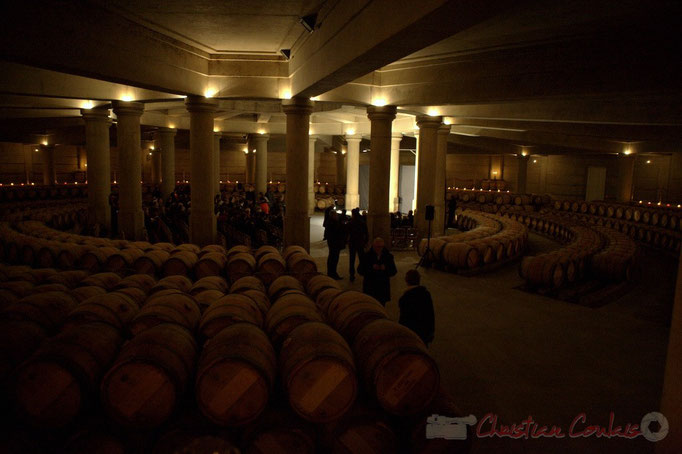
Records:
x=377, y=266
x=336, y=242
x=416, y=308
x=357, y=239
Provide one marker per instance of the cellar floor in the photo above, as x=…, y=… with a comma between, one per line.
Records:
x=516, y=354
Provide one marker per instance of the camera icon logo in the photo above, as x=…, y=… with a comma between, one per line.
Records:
x=438, y=426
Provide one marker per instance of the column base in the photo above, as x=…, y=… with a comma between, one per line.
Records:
x=352, y=201
x=131, y=224
x=202, y=227
x=297, y=230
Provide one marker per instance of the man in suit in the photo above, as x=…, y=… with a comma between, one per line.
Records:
x=416, y=308
x=377, y=266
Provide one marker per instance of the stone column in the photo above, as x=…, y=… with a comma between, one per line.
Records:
x=250, y=164
x=439, y=192
x=216, y=162
x=522, y=175
x=378, y=219
x=130, y=216
x=165, y=145
x=261, y=144
x=202, y=220
x=311, y=175
x=626, y=174
x=156, y=166
x=416, y=171
x=296, y=220
x=49, y=166
x=97, y=124
x=428, y=128
x=340, y=168
x=353, y=171
x=393, y=197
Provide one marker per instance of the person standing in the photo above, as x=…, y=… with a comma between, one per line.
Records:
x=336, y=242
x=452, y=207
x=416, y=308
x=357, y=239
x=377, y=266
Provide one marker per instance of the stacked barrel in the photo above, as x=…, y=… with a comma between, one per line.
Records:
x=497, y=200
x=655, y=225
x=256, y=342
x=487, y=239
x=327, y=195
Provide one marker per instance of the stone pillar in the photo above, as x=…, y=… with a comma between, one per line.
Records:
x=97, y=124
x=165, y=144
x=250, y=164
x=378, y=219
x=522, y=175
x=416, y=171
x=439, y=192
x=393, y=197
x=428, y=128
x=311, y=175
x=156, y=166
x=340, y=168
x=202, y=220
x=296, y=220
x=671, y=398
x=261, y=144
x=130, y=216
x=49, y=166
x=216, y=162
x=353, y=171
x=626, y=174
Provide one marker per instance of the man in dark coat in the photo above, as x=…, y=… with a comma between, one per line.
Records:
x=416, y=308
x=377, y=266
x=357, y=239
x=336, y=241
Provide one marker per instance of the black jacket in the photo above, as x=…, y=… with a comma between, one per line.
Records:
x=357, y=233
x=336, y=234
x=416, y=312
x=377, y=283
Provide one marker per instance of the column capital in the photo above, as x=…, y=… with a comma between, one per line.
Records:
x=259, y=137
x=397, y=136
x=381, y=112
x=166, y=131
x=96, y=114
x=444, y=129
x=353, y=138
x=426, y=121
x=200, y=104
x=130, y=108
x=297, y=105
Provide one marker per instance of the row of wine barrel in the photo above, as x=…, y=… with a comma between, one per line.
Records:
x=497, y=197
x=142, y=383
x=664, y=239
x=658, y=216
x=576, y=260
x=13, y=212
x=487, y=239
x=327, y=188
x=61, y=217
x=35, y=192
x=496, y=209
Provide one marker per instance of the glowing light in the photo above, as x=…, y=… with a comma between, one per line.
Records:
x=648, y=161
x=640, y=201
x=87, y=105
x=379, y=102
x=216, y=129
x=221, y=181
x=33, y=184
x=261, y=131
x=86, y=165
x=150, y=153
x=534, y=161
x=314, y=98
x=524, y=153
x=210, y=92
x=151, y=147
x=36, y=150
x=447, y=121
x=127, y=97
x=44, y=142
x=286, y=94
x=627, y=151
x=172, y=126
x=246, y=151
x=73, y=183
x=254, y=150
x=12, y=184
x=343, y=152
x=679, y=206
x=350, y=131
x=432, y=112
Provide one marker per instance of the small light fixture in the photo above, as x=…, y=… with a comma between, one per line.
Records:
x=86, y=165
x=286, y=94
x=432, y=112
x=350, y=131
x=150, y=153
x=151, y=147
x=127, y=97
x=210, y=92
x=379, y=102
x=648, y=161
x=45, y=142
x=36, y=150
x=314, y=98
x=534, y=161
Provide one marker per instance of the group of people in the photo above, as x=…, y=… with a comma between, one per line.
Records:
x=377, y=267
x=259, y=217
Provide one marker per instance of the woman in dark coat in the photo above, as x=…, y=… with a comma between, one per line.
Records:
x=377, y=266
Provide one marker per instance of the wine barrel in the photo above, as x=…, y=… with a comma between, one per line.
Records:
x=143, y=282
x=188, y=247
x=318, y=283
x=180, y=263
x=278, y=430
x=18, y=339
x=287, y=313
x=281, y=285
x=209, y=283
x=351, y=311
x=95, y=258
x=167, y=306
x=247, y=283
x=228, y=310
x=396, y=367
x=362, y=430
x=236, y=375
x=54, y=385
x=543, y=270
x=136, y=294
x=48, y=309
x=207, y=297
x=240, y=265
x=115, y=309
x=176, y=282
x=302, y=267
x=239, y=249
x=210, y=264
x=263, y=250
x=148, y=377
x=318, y=373
x=289, y=251
x=69, y=278
x=82, y=293
x=151, y=262
x=105, y=280
x=260, y=298
x=270, y=267
x=120, y=262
